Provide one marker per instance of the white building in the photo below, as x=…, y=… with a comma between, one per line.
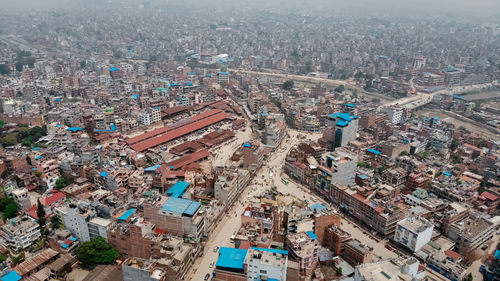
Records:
x=223, y=77
x=413, y=232
x=145, y=118
x=266, y=264
x=22, y=198
x=76, y=221
x=19, y=233
x=83, y=222
x=99, y=227
x=406, y=270
x=395, y=114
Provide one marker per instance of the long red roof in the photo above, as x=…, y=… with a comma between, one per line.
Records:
x=181, y=131
x=188, y=159
x=165, y=129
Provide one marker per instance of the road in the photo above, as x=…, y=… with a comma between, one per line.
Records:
x=420, y=98
x=231, y=223
x=312, y=79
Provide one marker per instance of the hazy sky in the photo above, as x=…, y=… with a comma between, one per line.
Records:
x=476, y=9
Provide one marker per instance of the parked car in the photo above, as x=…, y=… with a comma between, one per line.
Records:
x=216, y=248
x=207, y=276
x=211, y=264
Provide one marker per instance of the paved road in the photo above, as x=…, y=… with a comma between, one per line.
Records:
x=328, y=82
x=231, y=222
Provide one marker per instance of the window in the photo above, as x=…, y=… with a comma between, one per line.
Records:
x=263, y=271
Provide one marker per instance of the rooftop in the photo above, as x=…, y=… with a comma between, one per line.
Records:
x=178, y=189
x=231, y=258
x=181, y=206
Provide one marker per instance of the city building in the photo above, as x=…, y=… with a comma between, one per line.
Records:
x=413, y=232
x=345, y=128
x=303, y=248
x=19, y=233
x=178, y=216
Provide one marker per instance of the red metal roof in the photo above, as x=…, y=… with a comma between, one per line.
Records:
x=452, y=254
x=174, y=110
x=359, y=197
x=489, y=196
x=188, y=159
x=176, y=133
x=165, y=129
x=56, y=196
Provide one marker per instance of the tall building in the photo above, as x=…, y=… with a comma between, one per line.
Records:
x=419, y=62
x=303, y=248
x=178, y=216
x=266, y=264
x=395, y=114
x=155, y=115
x=252, y=264
x=413, y=232
x=345, y=128
x=339, y=167
x=19, y=233
x=83, y=222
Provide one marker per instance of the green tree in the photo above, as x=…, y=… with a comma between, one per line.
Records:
x=96, y=251
x=9, y=140
x=339, y=89
x=55, y=222
x=288, y=85
x=456, y=158
x=338, y=271
x=213, y=26
x=4, y=69
x=454, y=144
x=11, y=211
x=19, y=66
x=470, y=277
x=3, y=257
x=18, y=259
x=40, y=213
x=83, y=64
x=404, y=153
x=362, y=164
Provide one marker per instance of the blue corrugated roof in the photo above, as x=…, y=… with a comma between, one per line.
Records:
x=127, y=214
x=247, y=145
x=113, y=69
x=231, y=258
x=342, y=123
x=104, y=174
x=64, y=246
x=341, y=115
x=312, y=235
x=350, y=105
x=317, y=207
x=363, y=177
x=75, y=129
x=447, y=174
x=374, y=151
x=152, y=168
x=178, y=189
x=497, y=254
x=38, y=157
x=181, y=206
x=224, y=73
x=11, y=276
x=275, y=251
